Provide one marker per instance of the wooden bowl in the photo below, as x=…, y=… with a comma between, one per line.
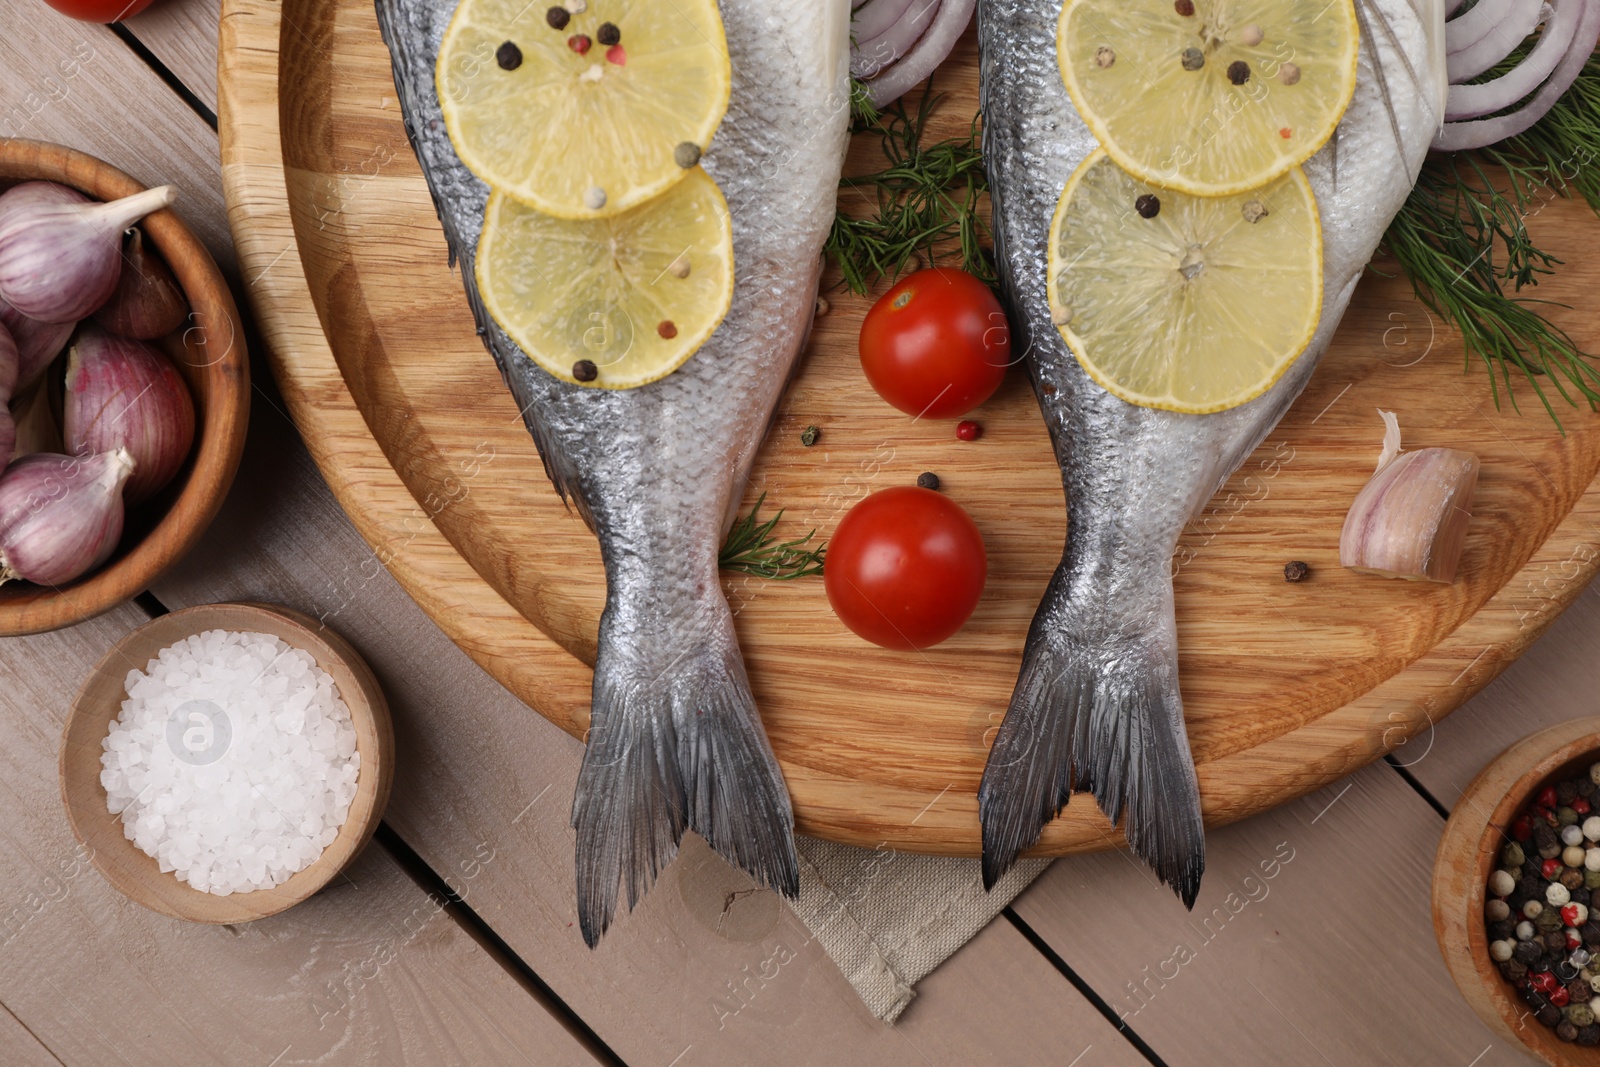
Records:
x=1467, y=855
x=136, y=875
x=212, y=358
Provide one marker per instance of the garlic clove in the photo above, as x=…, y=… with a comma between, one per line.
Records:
x=38, y=429
x=124, y=393
x=60, y=516
x=38, y=343
x=148, y=302
x=59, y=259
x=1410, y=519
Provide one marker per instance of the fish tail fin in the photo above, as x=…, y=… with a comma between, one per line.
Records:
x=1100, y=711
x=673, y=747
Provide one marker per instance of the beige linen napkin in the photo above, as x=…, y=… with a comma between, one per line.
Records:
x=888, y=918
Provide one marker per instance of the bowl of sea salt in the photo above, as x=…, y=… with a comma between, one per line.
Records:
x=224, y=762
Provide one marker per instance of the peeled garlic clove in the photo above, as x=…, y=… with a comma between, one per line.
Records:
x=37, y=427
x=147, y=302
x=60, y=259
x=1410, y=519
x=38, y=343
x=60, y=516
x=123, y=393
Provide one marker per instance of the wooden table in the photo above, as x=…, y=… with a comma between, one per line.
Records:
x=452, y=940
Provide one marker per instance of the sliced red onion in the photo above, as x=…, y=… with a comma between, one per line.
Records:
x=1457, y=136
x=1471, y=101
x=874, y=54
x=1495, y=45
x=875, y=16
x=932, y=50
x=1485, y=15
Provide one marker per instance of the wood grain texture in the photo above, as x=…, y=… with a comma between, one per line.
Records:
x=1310, y=943
x=183, y=35
x=134, y=873
x=1468, y=852
x=479, y=774
x=370, y=970
x=21, y=1047
x=1286, y=687
x=211, y=355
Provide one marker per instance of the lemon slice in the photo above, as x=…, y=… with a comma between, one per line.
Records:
x=575, y=129
x=1193, y=304
x=615, y=302
x=1214, y=102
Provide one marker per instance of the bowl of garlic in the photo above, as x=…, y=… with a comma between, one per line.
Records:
x=124, y=386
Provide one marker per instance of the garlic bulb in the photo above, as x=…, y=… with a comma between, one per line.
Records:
x=1410, y=519
x=123, y=393
x=147, y=303
x=60, y=259
x=38, y=343
x=60, y=516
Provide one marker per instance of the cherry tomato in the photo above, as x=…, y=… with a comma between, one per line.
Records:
x=99, y=10
x=937, y=344
x=905, y=568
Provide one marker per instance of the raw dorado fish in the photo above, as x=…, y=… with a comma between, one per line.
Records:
x=1096, y=706
x=658, y=471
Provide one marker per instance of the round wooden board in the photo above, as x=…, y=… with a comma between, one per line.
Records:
x=1287, y=687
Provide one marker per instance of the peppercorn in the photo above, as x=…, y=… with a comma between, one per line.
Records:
x=1570, y=835
x=1547, y=797
x=1566, y=1031
x=608, y=34
x=666, y=329
x=1531, y=886
x=1550, y=869
x=1550, y=1015
x=1591, y=876
x=1296, y=571
x=558, y=17
x=1581, y=895
x=1147, y=205
x=1104, y=57
x=508, y=55
x=1238, y=72
x=1254, y=211
x=579, y=43
x=1289, y=73
x=1512, y=855
x=1578, y=990
x=1589, y=1035
x=1582, y=806
x=1543, y=837
x=1500, y=951
x=809, y=435
x=585, y=371
x=1515, y=971
x=686, y=155
x=1528, y=952
x=1524, y=930
x=1550, y=853
x=1591, y=934
x=1555, y=940
x=1570, y=880
x=1495, y=910
x=928, y=480
x=1533, y=909
x=1183, y=7
x=1586, y=788
x=1572, y=855
x=1549, y=921
x=1192, y=59
x=1544, y=982
x=967, y=430
x=1504, y=930
x=1565, y=816
x=1566, y=791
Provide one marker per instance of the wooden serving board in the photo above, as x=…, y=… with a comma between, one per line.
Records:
x=1287, y=687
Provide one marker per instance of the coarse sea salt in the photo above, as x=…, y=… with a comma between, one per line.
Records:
x=233, y=761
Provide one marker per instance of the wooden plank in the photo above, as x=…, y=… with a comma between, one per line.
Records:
x=707, y=967
x=1549, y=684
x=76, y=84
x=21, y=1047
x=367, y=968
x=183, y=35
x=1311, y=941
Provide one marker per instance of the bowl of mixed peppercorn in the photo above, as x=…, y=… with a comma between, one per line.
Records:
x=1516, y=893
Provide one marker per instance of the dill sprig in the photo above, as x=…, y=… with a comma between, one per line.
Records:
x=926, y=198
x=752, y=547
x=1462, y=238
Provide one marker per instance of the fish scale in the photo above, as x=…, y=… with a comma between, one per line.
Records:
x=1097, y=705
x=658, y=471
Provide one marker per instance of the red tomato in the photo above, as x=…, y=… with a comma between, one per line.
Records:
x=937, y=344
x=99, y=10
x=905, y=568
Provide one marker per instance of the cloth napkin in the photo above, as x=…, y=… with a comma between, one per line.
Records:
x=888, y=918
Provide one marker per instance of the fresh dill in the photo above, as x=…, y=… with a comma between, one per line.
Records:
x=753, y=548
x=1462, y=239
x=925, y=200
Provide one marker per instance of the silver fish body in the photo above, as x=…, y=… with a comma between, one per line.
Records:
x=1097, y=704
x=675, y=740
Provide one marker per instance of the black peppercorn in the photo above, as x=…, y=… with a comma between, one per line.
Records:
x=1544, y=836
x=1147, y=205
x=1504, y=930
x=1564, y=1030
x=608, y=34
x=1572, y=878
x=1578, y=991
x=1590, y=932
x=1567, y=792
x=1515, y=970
x=1580, y=895
x=1238, y=72
x=928, y=480
x=558, y=17
x=1528, y=952
x=585, y=371
x=1550, y=1015
x=1296, y=571
x=509, y=56
x=1533, y=886
x=1589, y=1035
x=1555, y=941
x=1586, y=788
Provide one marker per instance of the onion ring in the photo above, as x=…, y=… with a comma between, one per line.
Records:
x=1471, y=101
x=874, y=54
x=875, y=16
x=1491, y=48
x=1466, y=30
x=930, y=51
